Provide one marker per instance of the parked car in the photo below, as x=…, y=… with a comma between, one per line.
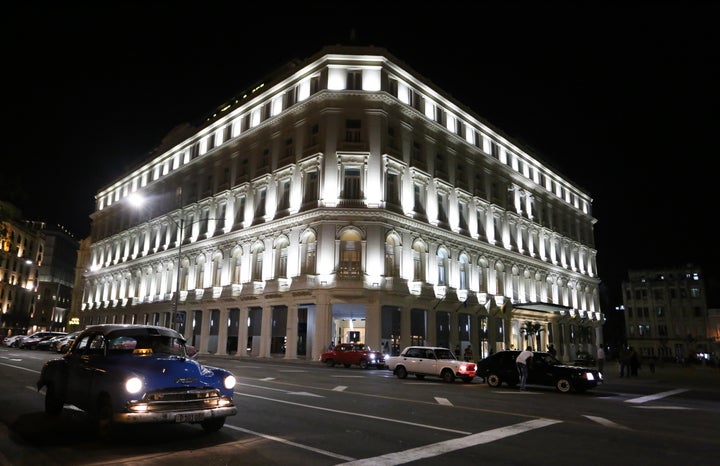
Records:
x=128, y=374
x=48, y=343
x=353, y=354
x=12, y=341
x=63, y=343
x=430, y=360
x=31, y=341
x=544, y=369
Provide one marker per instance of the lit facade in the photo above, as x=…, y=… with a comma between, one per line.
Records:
x=21, y=255
x=346, y=199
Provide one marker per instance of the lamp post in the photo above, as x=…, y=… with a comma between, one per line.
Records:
x=176, y=297
x=137, y=201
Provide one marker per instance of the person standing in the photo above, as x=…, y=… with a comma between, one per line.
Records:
x=625, y=362
x=522, y=361
x=600, y=358
x=551, y=350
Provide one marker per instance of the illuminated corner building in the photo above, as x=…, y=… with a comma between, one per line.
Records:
x=21, y=255
x=666, y=314
x=346, y=199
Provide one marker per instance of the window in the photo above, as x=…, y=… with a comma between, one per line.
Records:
x=419, y=198
x=310, y=193
x=442, y=267
x=314, y=135
x=257, y=262
x=419, y=252
x=351, y=183
x=354, y=80
x=350, y=255
x=352, y=130
x=392, y=191
x=284, y=195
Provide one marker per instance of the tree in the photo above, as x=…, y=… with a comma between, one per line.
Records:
x=530, y=329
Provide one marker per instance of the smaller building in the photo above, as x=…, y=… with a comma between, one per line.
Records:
x=21, y=255
x=666, y=313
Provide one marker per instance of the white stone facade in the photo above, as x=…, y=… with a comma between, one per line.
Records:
x=343, y=199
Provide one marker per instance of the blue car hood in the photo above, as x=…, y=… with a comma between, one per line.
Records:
x=160, y=371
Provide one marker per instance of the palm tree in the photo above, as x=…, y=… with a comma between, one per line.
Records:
x=530, y=329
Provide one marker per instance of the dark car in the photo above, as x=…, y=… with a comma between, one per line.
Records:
x=129, y=374
x=584, y=359
x=544, y=369
x=32, y=341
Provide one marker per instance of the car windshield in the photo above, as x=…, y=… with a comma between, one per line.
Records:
x=146, y=344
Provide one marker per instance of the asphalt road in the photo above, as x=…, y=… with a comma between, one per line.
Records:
x=304, y=413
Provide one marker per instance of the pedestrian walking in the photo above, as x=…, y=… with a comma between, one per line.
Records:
x=522, y=362
x=625, y=362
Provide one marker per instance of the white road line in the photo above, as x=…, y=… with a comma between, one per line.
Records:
x=267, y=379
x=443, y=401
x=657, y=396
x=294, y=444
x=436, y=449
x=662, y=407
x=350, y=413
x=340, y=388
x=606, y=422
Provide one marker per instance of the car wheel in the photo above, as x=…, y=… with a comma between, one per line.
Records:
x=104, y=421
x=213, y=425
x=563, y=385
x=401, y=372
x=330, y=363
x=363, y=364
x=53, y=403
x=448, y=376
x=494, y=380
x=420, y=376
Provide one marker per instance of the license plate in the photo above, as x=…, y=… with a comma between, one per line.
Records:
x=190, y=417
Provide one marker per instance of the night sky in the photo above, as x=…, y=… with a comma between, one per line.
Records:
x=621, y=100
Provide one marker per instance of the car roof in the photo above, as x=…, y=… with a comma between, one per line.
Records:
x=106, y=329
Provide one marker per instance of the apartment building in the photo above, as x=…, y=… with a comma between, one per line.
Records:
x=345, y=198
x=666, y=313
x=21, y=255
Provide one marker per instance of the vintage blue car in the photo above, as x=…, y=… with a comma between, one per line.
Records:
x=125, y=374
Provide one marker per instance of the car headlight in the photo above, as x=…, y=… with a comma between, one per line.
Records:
x=229, y=382
x=589, y=376
x=133, y=385
x=372, y=356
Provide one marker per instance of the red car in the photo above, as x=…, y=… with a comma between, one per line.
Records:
x=353, y=354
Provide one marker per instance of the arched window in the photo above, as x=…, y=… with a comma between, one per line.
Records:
x=217, y=265
x=442, y=267
x=281, y=257
x=463, y=272
x=350, y=254
x=235, y=266
x=419, y=260
x=309, y=253
x=200, y=272
x=392, y=255
x=258, y=251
